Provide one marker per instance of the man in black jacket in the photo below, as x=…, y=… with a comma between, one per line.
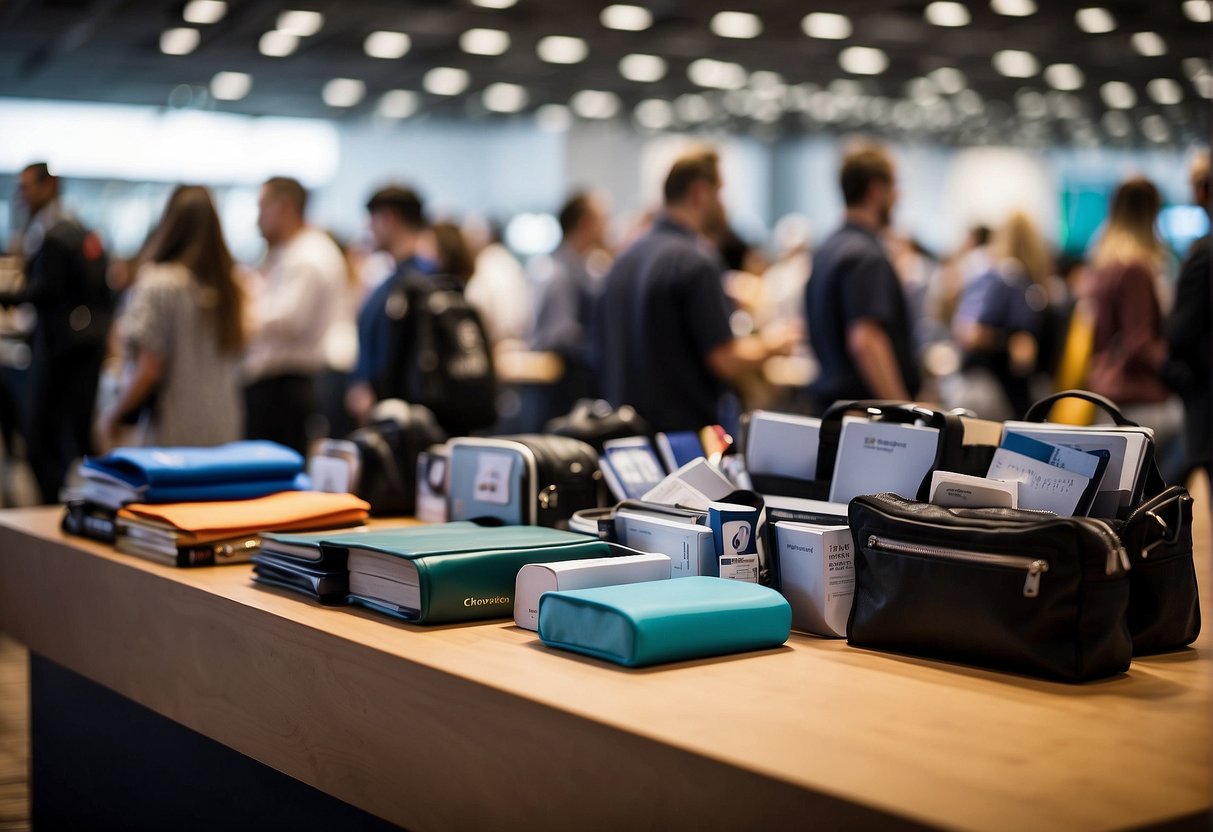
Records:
x=65, y=267
x=1188, y=336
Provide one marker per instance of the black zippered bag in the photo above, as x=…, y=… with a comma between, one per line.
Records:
x=1007, y=589
x=1164, y=602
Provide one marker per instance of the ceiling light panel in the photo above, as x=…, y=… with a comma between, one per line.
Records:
x=1013, y=8
x=398, y=104
x=505, y=98
x=1118, y=95
x=595, y=104
x=1014, y=63
x=553, y=118
x=387, y=45
x=946, y=13
x=1165, y=91
x=1198, y=11
x=741, y=25
x=343, y=92
x=863, y=60
x=723, y=75
x=626, y=18
x=231, y=86
x=1155, y=128
x=643, y=69
x=204, y=12
x=300, y=23
x=277, y=44
x=654, y=114
x=561, y=49
x=445, y=80
x=180, y=41
x=1095, y=20
x=693, y=108
x=484, y=42
x=827, y=26
x=1149, y=44
x=948, y=80
x=1064, y=77
x=1116, y=124
x=495, y=4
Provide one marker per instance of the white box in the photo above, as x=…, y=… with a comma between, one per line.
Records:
x=690, y=547
x=817, y=576
x=534, y=579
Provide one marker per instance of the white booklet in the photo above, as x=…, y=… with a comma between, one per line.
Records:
x=1127, y=447
x=694, y=485
x=782, y=444
x=1042, y=486
x=953, y=490
x=874, y=457
x=817, y=575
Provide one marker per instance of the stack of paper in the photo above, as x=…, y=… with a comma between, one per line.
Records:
x=195, y=534
x=303, y=563
x=1051, y=477
x=1128, y=448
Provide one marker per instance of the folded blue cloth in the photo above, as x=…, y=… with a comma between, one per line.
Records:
x=215, y=491
x=665, y=621
x=235, y=462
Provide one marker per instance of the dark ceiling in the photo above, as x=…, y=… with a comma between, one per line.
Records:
x=108, y=50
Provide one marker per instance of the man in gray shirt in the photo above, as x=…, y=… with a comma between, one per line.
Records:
x=568, y=287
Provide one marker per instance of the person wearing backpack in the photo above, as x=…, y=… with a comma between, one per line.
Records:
x=65, y=267
x=418, y=339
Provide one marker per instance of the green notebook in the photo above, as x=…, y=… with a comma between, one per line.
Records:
x=452, y=571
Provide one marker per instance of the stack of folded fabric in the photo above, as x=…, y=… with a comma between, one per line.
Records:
x=222, y=531
x=236, y=471
x=300, y=563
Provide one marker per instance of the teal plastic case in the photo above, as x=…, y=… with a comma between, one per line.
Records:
x=665, y=621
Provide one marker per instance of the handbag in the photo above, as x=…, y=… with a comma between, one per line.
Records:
x=1164, y=603
x=594, y=422
x=1007, y=589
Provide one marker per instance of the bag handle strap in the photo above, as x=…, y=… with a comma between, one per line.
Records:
x=885, y=410
x=1039, y=412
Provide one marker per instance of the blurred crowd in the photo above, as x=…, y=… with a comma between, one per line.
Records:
x=675, y=315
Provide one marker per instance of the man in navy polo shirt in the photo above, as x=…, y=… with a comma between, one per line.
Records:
x=662, y=340
x=858, y=323
x=397, y=224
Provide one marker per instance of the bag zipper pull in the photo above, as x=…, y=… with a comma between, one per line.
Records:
x=1031, y=586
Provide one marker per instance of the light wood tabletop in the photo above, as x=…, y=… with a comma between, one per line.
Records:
x=480, y=726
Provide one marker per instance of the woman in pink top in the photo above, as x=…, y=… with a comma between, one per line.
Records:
x=1128, y=348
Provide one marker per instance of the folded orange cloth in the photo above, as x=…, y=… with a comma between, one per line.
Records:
x=285, y=511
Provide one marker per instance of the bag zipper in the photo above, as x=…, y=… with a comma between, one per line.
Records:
x=1035, y=567
x=1117, y=559
x=1118, y=556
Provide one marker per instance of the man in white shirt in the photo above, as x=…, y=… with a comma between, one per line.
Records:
x=294, y=300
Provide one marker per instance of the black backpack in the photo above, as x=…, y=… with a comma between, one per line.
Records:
x=387, y=455
x=440, y=355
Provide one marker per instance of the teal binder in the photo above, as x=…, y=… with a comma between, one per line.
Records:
x=665, y=621
x=453, y=571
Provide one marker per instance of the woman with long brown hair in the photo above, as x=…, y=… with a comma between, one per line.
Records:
x=1128, y=347
x=183, y=333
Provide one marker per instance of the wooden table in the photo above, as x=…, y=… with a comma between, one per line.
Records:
x=481, y=727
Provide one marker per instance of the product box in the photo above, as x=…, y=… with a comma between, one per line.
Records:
x=690, y=547
x=817, y=573
x=534, y=579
